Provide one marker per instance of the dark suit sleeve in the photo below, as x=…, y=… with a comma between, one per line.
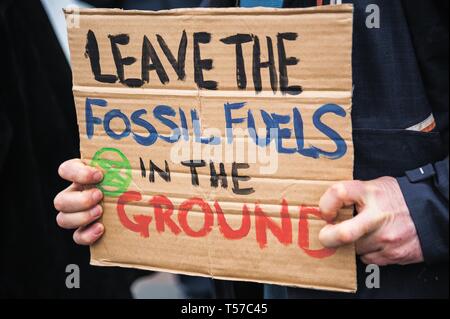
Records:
x=428, y=24
x=426, y=191
x=5, y=138
x=5, y=125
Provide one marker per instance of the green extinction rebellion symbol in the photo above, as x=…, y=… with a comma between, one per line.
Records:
x=117, y=171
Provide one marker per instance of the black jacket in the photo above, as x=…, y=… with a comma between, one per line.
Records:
x=401, y=78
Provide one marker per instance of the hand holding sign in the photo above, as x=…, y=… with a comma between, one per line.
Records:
x=79, y=203
x=383, y=230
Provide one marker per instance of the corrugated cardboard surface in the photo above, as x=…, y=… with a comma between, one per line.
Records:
x=323, y=46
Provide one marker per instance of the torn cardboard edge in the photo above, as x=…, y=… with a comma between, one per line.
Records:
x=342, y=8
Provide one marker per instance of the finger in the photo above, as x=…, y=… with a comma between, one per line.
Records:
x=368, y=244
x=76, y=220
x=375, y=259
x=89, y=235
x=78, y=172
x=77, y=201
x=341, y=195
x=349, y=231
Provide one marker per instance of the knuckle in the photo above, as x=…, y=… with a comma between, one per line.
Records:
x=357, y=184
x=86, y=199
x=83, y=175
x=87, y=174
x=86, y=219
x=339, y=190
x=388, y=238
x=377, y=191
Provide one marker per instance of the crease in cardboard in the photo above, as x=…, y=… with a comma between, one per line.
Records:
x=277, y=249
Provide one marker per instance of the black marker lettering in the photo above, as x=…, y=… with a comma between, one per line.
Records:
x=215, y=178
x=199, y=64
x=258, y=65
x=123, y=39
x=284, y=62
x=193, y=165
x=178, y=65
x=238, y=40
x=236, y=179
x=94, y=57
x=164, y=174
x=143, y=169
x=149, y=53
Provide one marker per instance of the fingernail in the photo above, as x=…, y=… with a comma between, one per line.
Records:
x=98, y=176
x=97, y=195
x=98, y=229
x=97, y=211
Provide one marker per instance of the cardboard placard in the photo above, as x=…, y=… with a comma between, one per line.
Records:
x=218, y=131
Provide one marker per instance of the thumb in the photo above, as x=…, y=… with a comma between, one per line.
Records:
x=349, y=231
